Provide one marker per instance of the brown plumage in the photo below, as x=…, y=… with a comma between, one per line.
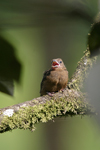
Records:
x=54, y=79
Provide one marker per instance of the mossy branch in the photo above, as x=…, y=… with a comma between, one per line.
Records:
x=71, y=102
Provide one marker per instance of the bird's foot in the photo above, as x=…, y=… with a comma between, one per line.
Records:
x=62, y=90
x=50, y=94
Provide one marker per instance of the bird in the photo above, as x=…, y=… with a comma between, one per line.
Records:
x=54, y=79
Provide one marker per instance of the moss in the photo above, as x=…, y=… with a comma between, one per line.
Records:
x=27, y=117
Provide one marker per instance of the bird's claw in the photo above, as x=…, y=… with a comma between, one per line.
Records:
x=62, y=90
x=50, y=94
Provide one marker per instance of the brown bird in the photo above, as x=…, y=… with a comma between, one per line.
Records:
x=55, y=79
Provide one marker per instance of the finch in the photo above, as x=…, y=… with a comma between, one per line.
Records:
x=55, y=79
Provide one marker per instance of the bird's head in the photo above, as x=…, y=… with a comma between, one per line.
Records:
x=57, y=64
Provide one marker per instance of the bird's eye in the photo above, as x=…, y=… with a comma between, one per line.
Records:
x=60, y=62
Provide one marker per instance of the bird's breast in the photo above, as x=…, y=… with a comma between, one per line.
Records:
x=53, y=77
x=59, y=77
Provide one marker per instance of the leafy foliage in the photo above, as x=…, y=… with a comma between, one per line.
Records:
x=9, y=67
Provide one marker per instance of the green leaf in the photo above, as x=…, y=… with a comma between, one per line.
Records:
x=7, y=86
x=94, y=39
x=9, y=67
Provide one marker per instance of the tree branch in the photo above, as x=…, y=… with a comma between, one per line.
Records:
x=71, y=102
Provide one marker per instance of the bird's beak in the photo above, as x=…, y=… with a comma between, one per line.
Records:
x=55, y=64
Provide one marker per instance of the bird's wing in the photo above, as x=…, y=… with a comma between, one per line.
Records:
x=46, y=73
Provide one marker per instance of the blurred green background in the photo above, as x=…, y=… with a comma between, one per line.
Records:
x=41, y=31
